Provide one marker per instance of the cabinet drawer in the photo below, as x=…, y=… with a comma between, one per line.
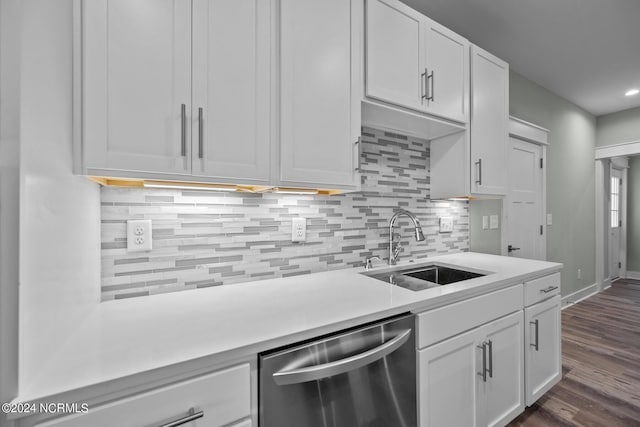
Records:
x=541, y=289
x=222, y=396
x=441, y=323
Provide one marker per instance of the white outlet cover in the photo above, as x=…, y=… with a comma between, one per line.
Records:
x=139, y=238
x=485, y=222
x=298, y=229
x=446, y=224
x=493, y=222
x=549, y=219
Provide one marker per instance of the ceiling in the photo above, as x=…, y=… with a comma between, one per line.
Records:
x=586, y=51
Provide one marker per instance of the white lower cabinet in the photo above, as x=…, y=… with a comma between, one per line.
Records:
x=223, y=397
x=475, y=378
x=503, y=390
x=543, y=348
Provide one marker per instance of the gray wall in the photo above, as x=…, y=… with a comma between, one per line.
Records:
x=484, y=241
x=570, y=177
x=623, y=126
x=633, y=215
x=9, y=197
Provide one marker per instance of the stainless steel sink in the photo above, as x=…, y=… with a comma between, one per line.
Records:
x=423, y=277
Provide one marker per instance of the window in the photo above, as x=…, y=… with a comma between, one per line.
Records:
x=615, y=202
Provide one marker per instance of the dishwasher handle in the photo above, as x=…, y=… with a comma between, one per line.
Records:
x=312, y=373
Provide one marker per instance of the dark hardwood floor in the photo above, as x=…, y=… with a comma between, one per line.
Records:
x=600, y=361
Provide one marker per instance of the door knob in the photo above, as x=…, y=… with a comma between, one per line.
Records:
x=510, y=249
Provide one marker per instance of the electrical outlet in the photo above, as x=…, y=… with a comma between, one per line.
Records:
x=139, y=235
x=579, y=274
x=493, y=222
x=549, y=219
x=298, y=229
x=446, y=224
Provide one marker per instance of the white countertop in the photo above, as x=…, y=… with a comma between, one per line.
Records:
x=120, y=338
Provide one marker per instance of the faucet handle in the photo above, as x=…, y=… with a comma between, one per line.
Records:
x=368, y=263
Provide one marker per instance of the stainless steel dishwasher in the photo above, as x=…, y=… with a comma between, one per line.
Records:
x=364, y=377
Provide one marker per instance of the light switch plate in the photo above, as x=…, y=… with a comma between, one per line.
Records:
x=446, y=224
x=485, y=222
x=139, y=235
x=493, y=222
x=549, y=219
x=298, y=229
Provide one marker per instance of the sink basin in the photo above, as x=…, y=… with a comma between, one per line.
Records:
x=423, y=277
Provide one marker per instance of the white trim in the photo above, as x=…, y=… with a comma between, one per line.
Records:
x=529, y=132
x=580, y=295
x=524, y=122
x=620, y=162
x=617, y=150
x=600, y=215
x=634, y=275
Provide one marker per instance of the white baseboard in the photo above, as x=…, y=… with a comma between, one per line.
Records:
x=579, y=295
x=635, y=275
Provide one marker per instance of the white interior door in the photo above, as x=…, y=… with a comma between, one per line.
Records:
x=616, y=222
x=524, y=201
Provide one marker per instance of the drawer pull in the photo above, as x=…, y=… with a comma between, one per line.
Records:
x=536, y=324
x=193, y=414
x=549, y=289
x=483, y=374
x=183, y=130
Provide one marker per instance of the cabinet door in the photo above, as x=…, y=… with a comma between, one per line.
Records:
x=448, y=384
x=489, y=122
x=543, y=338
x=320, y=101
x=504, y=388
x=136, y=85
x=231, y=88
x=394, y=57
x=447, y=64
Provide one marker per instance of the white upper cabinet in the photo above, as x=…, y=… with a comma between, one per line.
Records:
x=489, y=122
x=231, y=90
x=137, y=85
x=414, y=62
x=447, y=79
x=474, y=163
x=320, y=89
x=394, y=63
x=177, y=89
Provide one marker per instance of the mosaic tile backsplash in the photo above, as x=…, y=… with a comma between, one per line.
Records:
x=203, y=239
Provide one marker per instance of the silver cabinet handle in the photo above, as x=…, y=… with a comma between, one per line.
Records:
x=431, y=77
x=549, y=289
x=200, y=133
x=483, y=374
x=193, y=414
x=535, y=344
x=325, y=370
x=479, y=168
x=490, y=344
x=183, y=130
x=358, y=145
x=423, y=85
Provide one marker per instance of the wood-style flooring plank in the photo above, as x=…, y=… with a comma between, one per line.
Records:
x=600, y=386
